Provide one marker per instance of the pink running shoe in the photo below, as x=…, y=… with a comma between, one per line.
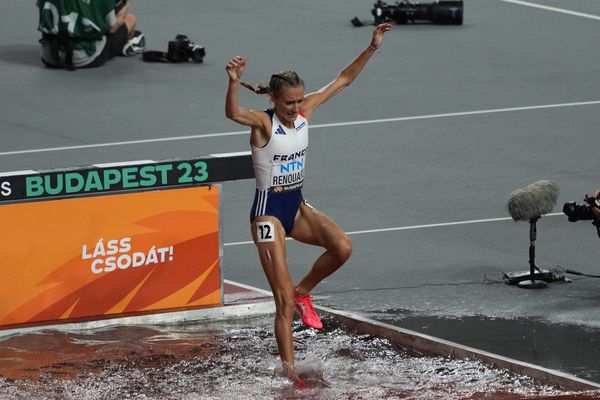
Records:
x=307, y=312
x=300, y=385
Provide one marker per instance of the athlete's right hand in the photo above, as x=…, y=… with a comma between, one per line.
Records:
x=235, y=68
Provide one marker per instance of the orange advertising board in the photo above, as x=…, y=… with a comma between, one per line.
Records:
x=109, y=255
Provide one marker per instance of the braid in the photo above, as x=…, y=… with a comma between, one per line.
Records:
x=284, y=79
x=282, y=76
x=276, y=84
x=261, y=88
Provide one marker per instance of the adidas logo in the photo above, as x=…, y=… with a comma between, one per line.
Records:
x=280, y=131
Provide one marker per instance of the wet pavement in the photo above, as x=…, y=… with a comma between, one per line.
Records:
x=569, y=348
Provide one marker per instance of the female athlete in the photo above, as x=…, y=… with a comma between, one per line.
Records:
x=279, y=142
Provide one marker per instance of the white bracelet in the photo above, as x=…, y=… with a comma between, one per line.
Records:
x=373, y=47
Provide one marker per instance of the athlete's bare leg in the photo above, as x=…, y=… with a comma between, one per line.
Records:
x=130, y=22
x=270, y=243
x=314, y=227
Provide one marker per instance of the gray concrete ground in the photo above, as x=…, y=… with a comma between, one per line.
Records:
x=476, y=111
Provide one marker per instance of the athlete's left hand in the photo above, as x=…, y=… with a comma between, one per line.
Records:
x=378, y=33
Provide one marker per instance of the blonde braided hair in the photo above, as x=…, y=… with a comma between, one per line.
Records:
x=277, y=83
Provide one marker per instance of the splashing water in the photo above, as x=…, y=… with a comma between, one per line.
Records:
x=238, y=359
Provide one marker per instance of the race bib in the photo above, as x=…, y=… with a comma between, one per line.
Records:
x=265, y=231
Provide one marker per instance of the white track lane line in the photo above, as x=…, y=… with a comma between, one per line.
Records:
x=316, y=126
x=408, y=228
x=554, y=9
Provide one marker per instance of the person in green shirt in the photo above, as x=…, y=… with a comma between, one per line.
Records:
x=86, y=33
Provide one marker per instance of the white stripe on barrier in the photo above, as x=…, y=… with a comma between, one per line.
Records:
x=13, y=173
x=234, y=154
x=123, y=163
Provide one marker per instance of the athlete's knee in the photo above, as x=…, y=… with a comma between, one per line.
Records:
x=285, y=307
x=343, y=249
x=130, y=23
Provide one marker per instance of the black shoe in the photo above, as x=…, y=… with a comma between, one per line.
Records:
x=135, y=45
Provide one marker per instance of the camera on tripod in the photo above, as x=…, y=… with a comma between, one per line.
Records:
x=441, y=12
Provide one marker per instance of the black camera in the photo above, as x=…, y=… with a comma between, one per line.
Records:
x=181, y=49
x=581, y=212
x=442, y=12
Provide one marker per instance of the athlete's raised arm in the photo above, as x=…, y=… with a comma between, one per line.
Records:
x=235, y=69
x=313, y=100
